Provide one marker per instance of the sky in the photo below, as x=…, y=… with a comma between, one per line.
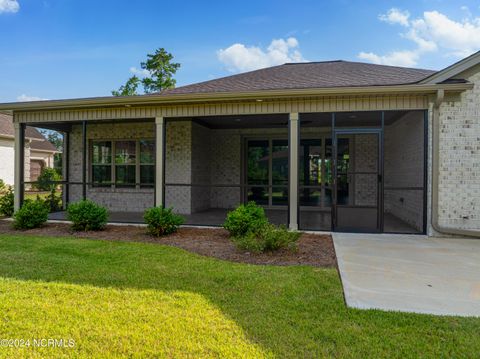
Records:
x=53, y=49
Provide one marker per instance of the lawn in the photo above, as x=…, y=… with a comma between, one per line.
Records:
x=133, y=299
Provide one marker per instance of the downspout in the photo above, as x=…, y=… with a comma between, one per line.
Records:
x=436, y=172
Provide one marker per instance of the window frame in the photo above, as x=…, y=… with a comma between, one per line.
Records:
x=113, y=165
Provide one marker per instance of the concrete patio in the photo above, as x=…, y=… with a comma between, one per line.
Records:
x=410, y=273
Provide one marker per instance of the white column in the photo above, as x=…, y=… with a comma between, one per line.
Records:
x=159, y=157
x=293, y=169
x=18, y=175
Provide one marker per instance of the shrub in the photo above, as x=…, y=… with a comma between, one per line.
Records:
x=3, y=186
x=161, y=221
x=267, y=238
x=86, y=215
x=245, y=219
x=53, y=201
x=32, y=214
x=6, y=203
x=46, y=176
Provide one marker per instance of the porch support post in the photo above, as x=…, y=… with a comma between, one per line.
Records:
x=84, y=160
x=66, y=169
x=293, y=135
x=19, y=165
x=159, y=161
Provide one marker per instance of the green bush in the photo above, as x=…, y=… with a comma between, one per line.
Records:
x=3, y=186
x=268, y=238
x=32, y=214
x=46, y=176
x=53, y=201
x=86, y=215
x=161, y=221
x=245, y=219
x=6, y=203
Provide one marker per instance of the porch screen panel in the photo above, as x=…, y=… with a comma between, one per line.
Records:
x=125, y=163
x=315, y=172
x=147, y=163
x=102, y=163
x=258, y=158
x=404, y=190
x=280, y=172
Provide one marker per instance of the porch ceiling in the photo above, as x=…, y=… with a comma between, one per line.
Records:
x=317, y=119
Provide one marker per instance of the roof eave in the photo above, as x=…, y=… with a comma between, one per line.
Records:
x=173, y=99
x=452, y=70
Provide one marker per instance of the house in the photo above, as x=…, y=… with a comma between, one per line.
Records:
x=39, y=152
x=334, y=145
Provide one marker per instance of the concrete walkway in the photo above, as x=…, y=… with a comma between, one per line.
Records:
x=410, y=273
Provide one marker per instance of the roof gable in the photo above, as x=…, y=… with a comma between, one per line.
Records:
x=453, y=70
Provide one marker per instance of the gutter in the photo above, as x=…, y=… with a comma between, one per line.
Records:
x=172, y=99
x=436, y=173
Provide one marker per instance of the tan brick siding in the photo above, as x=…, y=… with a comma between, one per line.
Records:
x=459, y=180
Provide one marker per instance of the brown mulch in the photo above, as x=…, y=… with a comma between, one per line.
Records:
x=313, y=249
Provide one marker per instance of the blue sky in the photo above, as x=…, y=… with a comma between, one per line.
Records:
x=70, y=48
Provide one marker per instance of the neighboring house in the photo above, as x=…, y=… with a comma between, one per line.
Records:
x=39, y=152
x=335, y=145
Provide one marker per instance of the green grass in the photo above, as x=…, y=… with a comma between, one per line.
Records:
x=34, y=195
x=144, y=300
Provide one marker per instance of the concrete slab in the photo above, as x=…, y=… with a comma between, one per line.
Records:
x=410, y=273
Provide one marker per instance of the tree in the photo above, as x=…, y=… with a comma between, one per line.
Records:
x=129, y=89
x=161, y=70
x=54, y=137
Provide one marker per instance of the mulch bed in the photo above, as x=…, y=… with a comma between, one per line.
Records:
x=313, y=249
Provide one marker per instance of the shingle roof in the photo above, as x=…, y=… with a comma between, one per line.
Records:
x=7, y=129
x=309, y=75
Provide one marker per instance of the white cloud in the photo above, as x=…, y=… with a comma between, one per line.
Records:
x=432, y=33
x=239, y=57
x=395, y=16
x=26, y=98
x=9, y=6
x=395, y=58
x=139, y=72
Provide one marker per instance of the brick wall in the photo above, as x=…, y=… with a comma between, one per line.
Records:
x=459, y=180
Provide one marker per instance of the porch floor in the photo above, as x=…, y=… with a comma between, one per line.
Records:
x=308, y=220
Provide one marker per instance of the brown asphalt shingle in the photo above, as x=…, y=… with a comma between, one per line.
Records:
x=309, y=75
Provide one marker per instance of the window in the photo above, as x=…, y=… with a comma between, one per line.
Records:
x=147, y=162
x=123, y=163
x=102, y=163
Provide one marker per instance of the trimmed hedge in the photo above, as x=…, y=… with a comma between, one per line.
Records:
x=161, y=221
x=86, y=215
x=245, y=219
x=31, y=215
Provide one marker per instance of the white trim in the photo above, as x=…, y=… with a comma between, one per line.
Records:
x=166, y=100
x=452, y=70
